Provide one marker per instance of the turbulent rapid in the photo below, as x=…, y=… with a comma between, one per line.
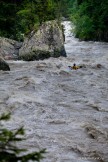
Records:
x=62, y=110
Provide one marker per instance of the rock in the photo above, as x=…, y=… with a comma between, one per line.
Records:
x=99, y=65
x=4, y=65
x=9, y=49
x=47, y=41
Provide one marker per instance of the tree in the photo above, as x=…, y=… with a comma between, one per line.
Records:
x=90, y=19
x=18, y=17
x=7, y=17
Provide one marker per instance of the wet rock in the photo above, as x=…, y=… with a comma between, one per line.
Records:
x=47, y=42
x=99, y=65
x=9, y=48
x=4, y=65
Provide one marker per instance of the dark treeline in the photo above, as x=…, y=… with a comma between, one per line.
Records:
x=18, y=17
x=90, y=17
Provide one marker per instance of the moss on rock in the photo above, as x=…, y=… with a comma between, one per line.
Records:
x=46, y=42
x=35, y=55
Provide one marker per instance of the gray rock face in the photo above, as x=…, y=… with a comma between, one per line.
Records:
x=9, y=48
x=4, y=65
x=48, y=41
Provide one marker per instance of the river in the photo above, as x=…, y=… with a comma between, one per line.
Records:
x=62, y=110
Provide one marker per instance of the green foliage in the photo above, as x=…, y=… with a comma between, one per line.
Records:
x=19, y=18
x=90, y=19
x=84, y=27
x=9, y=151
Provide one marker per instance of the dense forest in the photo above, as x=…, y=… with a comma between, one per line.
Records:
x=91, y=19
x=18, y=17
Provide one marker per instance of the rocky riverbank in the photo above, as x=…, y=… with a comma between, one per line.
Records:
x=47, y=41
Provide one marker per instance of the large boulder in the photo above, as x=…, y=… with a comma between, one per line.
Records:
x=47, y=41
x=4, y=65
x=9, y=49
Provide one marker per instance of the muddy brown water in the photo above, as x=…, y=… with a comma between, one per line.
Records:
x=62, y=110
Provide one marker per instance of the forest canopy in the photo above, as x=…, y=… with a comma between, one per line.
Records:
x=90, y=17
x=19, y=17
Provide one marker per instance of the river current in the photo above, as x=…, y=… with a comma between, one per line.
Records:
x=62, y=110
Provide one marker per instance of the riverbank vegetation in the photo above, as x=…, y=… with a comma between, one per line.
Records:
x=90, y=18
x=19, y=17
